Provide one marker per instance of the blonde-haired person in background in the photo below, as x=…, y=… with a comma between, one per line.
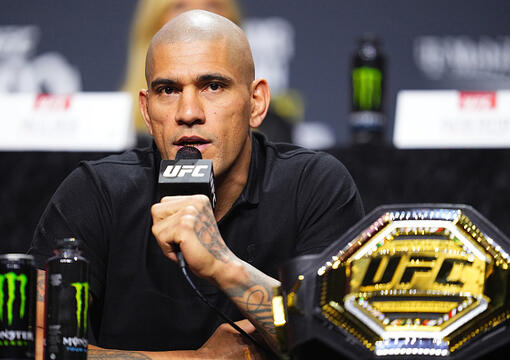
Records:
x=150, y=16
x=286, y=109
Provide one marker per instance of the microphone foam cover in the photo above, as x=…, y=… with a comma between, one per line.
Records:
x=188, y=152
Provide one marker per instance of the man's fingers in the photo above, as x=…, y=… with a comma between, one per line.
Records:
x=161, y=210
x=188, y=221
x=170, y=205
x=172, y=256
x=172, y=231
x=180, y=200
x=176, y=198
x=246, y=325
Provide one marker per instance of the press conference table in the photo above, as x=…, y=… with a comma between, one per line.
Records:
x=384, y=175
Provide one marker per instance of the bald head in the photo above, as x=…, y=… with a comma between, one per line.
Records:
x=200, y=25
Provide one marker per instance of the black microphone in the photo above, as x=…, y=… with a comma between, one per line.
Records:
x=188, y=174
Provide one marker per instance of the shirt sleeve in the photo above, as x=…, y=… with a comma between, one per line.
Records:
x=77, y=209
x=329, y=204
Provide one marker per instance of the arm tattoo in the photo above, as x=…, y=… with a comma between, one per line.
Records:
x=208, y=235
x=255, y=300
x=41, y=284
x=115, y=354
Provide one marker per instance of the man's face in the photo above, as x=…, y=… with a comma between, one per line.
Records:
x=198, y=97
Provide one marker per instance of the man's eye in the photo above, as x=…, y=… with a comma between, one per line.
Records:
x=168, y=90
x=215, y=86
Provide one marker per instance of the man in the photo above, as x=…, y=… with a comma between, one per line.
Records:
x=274, y=202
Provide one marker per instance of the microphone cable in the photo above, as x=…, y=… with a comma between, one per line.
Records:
x=182, y=265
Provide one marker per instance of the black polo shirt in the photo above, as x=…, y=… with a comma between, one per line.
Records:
x=296, y=202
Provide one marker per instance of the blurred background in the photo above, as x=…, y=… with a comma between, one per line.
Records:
x=315, y=55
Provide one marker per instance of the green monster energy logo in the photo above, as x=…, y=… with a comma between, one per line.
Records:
x=11, y=278
x=367, y=84
x=81, y=305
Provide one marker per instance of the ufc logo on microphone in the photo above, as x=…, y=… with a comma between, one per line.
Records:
x=173, y=171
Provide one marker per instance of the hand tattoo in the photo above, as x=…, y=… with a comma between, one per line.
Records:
x=207, y=232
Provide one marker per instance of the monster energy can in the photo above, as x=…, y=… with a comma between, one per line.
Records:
x=367, y=119
x=67, y=302
x=18, y=278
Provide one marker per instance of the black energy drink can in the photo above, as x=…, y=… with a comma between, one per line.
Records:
x=18, y=278
x=67, y=303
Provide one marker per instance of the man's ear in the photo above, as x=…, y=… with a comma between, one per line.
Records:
x=260, y=98
x=143, y=102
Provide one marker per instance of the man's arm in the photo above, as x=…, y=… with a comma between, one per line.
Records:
x=188, y=223
x=225, y=342
x=97, y=353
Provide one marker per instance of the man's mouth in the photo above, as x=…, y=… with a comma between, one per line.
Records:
x=191, y=141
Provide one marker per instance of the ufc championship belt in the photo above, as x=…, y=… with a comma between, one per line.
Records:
x=413, y=281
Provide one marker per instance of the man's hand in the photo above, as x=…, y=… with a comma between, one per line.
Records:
x=188, y=222
x=227, y=343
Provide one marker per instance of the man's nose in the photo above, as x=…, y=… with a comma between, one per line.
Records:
x=190, y=111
